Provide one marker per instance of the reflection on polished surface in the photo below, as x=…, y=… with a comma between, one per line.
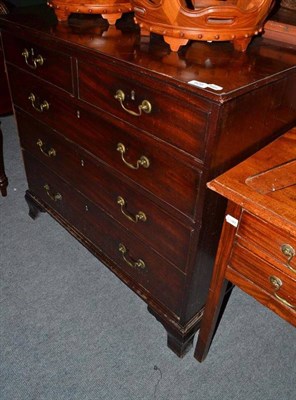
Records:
x=111, y=10
x=216, y=63
x=95, y=33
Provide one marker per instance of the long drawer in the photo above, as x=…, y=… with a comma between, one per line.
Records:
x=146, y=270
x=49, y=65
x=146, y=161
x=117, y=197
x=122, y=93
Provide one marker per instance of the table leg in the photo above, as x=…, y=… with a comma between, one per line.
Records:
x=3, y=177
x=218, y=288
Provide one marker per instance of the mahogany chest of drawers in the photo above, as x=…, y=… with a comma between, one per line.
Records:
x=120, y=136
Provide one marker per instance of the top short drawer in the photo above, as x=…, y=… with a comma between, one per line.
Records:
x=269, y=242
x=174, y=117
x=50, y=65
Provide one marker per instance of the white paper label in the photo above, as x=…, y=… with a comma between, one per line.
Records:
x=204, y=85
x=231, y=220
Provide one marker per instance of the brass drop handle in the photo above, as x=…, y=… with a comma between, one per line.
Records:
x=38, y=107
x=52, y=196
x=142, y=162
x=36, y=61
x=140, y=216
x=133, y=264
x=289, y=252
x=277, y=284
x=48, y=153
x=144, y=106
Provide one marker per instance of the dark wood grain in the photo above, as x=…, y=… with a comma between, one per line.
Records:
x=103, y=187
x=178, y=186
x=190, y=136
x=54, y=66
x=190, y=123
x=152, y=280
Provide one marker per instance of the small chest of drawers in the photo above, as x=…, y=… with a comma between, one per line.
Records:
x=119, y=141
x=257, y=250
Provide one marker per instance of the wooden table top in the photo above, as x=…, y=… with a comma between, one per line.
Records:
x=265, y=183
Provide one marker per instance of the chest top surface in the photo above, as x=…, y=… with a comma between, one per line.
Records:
x=265, y=183
x=232, y=73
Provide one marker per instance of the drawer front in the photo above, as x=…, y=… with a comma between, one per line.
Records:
x=50, y=65
x=158, y=277
x=150, y=164
x=127, y=205
x=264, y=275
x=137, y=264
x=268, y=241
x=176, y=120
x=164, y=174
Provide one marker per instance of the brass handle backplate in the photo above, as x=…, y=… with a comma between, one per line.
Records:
x=40, y=107
x=52, y=196
x=277, y=284
x=289, y=252
x=48, y=153
x=144, y=106
x=35, y=61
x=142, y=162
x=140, y=216
x=139, y=264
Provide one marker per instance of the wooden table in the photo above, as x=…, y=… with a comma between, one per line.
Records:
x=258, y=241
